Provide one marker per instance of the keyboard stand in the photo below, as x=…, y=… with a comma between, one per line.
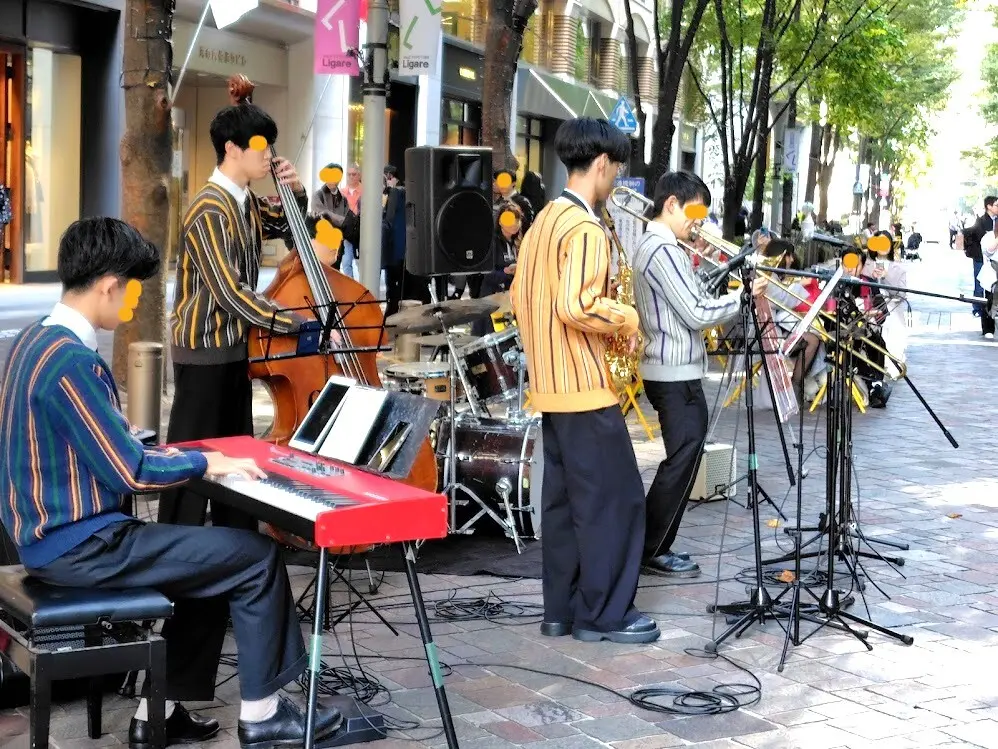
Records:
x=315, y=651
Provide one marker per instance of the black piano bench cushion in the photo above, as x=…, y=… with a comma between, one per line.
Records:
x=38, y=604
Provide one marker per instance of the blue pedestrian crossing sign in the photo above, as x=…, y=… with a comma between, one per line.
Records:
x=622, y=117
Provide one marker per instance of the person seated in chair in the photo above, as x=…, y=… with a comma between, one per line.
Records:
x=504, y=249
x=68, y=459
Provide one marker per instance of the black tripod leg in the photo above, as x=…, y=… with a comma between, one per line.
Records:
x=767, y=498
x=409, y=555
x=892, y=544
x=903, y=639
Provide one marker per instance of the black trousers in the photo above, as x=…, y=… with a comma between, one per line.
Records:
x=188, y=565
x=209, y=401
x=592, y=520
x=682, y=414
x=394, y=275
x=987, y=322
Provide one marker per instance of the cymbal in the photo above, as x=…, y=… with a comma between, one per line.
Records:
x=451, y=313
x=439, y=340
x=502, y=299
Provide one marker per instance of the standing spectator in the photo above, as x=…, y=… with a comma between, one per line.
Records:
x=972, y=236
x=955, y=224
x=352, y=192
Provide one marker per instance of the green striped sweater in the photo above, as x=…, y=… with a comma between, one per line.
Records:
x=67, y=455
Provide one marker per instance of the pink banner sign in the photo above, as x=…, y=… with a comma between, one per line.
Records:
x=337, y=37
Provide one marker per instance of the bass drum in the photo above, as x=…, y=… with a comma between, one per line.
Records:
x=496, y=460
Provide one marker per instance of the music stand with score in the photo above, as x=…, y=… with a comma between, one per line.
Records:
x=804, y=324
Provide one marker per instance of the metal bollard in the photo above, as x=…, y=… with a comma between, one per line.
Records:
x=407, y=344
x=145, y=384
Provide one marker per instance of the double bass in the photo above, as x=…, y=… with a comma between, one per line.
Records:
x=302, y=281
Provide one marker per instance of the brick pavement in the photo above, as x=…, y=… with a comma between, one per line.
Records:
x=913, y=487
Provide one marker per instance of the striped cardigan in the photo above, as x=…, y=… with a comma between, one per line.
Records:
x=67, y=455
x=563, y=312
x=219, y=265
x=675, y=308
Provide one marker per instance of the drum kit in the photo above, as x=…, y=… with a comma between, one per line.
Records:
x=488, y=447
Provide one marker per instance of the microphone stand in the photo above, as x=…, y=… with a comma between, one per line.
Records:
x=760, y=604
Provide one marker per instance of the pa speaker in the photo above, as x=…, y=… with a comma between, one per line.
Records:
x=448, y=210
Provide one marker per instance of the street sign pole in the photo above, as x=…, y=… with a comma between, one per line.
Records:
x=375, y=90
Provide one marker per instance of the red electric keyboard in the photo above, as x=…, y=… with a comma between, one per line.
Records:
x=327, y=502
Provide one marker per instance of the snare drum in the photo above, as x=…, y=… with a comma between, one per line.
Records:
x=493, y=379
x=496, y=460
x=428, y=379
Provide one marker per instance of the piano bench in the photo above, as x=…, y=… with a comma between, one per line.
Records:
x=57, y=633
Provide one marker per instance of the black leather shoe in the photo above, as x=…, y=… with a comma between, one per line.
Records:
x=287, y=727
x=556, y=629
x=182, y=727
x=671, y=565
x=641, y=630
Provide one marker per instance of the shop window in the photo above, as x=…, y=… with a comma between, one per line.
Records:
x=51, y=155
x=355, y=133
x=461, y=123
x=529, y=146
x=465, y=19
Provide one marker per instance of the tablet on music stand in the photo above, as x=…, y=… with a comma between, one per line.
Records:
x=804, y=324
x=353, y=423
x=319, y=419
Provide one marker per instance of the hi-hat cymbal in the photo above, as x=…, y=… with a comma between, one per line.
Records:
x=443, y=314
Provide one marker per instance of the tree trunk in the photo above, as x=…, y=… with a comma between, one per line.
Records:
x=146, y=154
x=638, y=160
x=732, y=204
x=787, y=212
x=503, y=43
x=813, y=161
x=831, y=143
x=759, y=188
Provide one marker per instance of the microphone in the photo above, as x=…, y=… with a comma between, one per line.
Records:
x=718, y=276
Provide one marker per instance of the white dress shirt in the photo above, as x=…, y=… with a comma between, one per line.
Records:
x=77, y=324
x=239, y=193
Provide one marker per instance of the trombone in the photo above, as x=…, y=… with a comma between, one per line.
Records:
x=638, y=206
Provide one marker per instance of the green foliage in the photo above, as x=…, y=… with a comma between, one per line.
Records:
x=988, y=157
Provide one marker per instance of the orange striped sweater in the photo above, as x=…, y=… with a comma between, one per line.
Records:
x=560, y=298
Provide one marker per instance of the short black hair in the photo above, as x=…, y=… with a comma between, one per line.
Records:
x=581, y=141
x=93, y=248
x=990, y=200
x=331, y=165
x=238, y=124
x=497, y=172
x=391, y=170
x=778, y=246
x=686, y=186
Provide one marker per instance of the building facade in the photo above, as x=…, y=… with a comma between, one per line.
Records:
x=60, y=64
x=62, y=112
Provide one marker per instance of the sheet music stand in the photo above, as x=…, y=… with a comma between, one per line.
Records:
x=318, y=340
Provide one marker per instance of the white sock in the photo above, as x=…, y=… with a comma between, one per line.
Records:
x=254, y=711
x=143, y=712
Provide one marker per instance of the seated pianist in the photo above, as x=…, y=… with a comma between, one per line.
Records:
x=68, y=458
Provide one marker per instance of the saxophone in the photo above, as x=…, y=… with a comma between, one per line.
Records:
x=620, y=362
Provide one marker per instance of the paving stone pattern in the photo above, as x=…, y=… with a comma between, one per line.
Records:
x=912, y=487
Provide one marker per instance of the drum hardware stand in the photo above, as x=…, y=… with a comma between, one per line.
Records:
x=456, y=369
x=517, y=360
